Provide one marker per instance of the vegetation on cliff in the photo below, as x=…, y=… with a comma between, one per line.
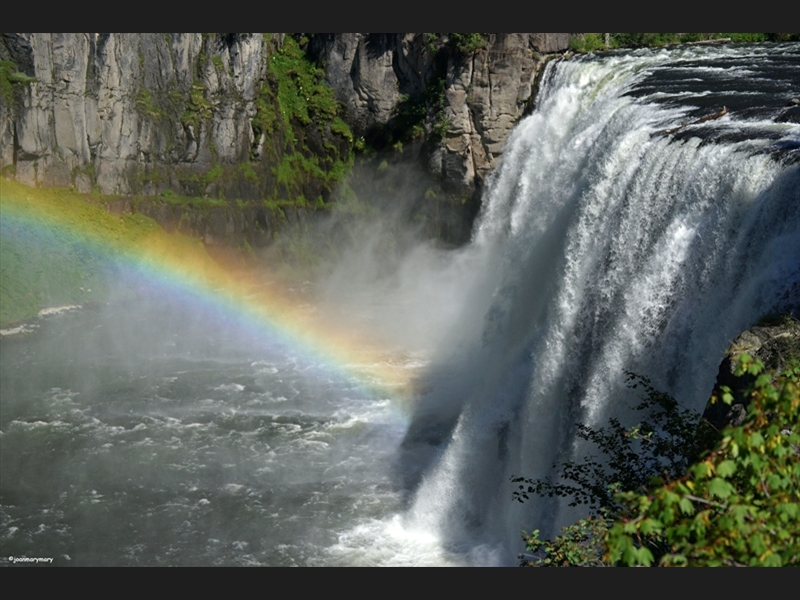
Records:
x=309, y=145
x=301, y=148
x=739, y=505
x=11, y=77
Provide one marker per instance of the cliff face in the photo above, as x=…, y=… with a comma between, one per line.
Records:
x=475, y=94
x=228, y=116
x=223, y=116
x=96, y=115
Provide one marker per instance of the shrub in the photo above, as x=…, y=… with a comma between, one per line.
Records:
x=658, y=449
x=468, y=43
x=662, y=445
x=9, y=77
x=738, y=506
x=588, y=42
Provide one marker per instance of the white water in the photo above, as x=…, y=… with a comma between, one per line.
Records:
x=614, y=247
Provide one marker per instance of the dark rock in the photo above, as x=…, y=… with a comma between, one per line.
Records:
x=775, y=344
x=789, y=115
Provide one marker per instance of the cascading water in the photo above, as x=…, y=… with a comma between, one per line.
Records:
x=615, y=245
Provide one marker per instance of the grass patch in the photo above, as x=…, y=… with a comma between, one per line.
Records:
x=145, y=105
x=10, y=77
x=198, y=108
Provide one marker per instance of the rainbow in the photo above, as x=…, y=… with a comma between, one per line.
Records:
x=180, y=266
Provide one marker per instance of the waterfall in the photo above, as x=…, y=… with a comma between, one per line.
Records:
x=618, y=234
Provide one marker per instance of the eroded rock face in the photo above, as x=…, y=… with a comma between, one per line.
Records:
x=145, y=113
x=485, y=92
x=108, y=109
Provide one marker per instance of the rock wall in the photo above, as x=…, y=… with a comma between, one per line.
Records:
x=196, y=115
x=107, y=109
x=202, y=114
x=484, y=92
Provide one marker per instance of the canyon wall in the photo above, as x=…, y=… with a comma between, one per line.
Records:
x=227, y=116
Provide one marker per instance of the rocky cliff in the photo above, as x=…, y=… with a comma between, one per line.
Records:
x=241, y=117
x=474, y=90
x=109, y=110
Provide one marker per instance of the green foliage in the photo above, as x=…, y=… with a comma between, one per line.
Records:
x=638, y=40
x=247, y=171
x=145, y=105
x=412, y=112
x=214, y=174
x=293, y=99
x=170, y=197
x=663, y=445
x=296, y=168
x=641, y=40
x=409, y=117
x=302, y=92
x=441, y=127
x=198, y=108
x=463, y=44
x=430, y=42
x=587, y=42
x=656, y=450
x=340, y=127
x=11, y=77
x=579, y=544
x=668, y=501
x=467, y=43
x=738, y=506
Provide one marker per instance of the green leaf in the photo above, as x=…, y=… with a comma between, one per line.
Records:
x=763, y=380
x=686, y=506
x=650, y=526
x=790, y=510
x=726, y=468
x=720, y=488
x=773, y=560
x=645, y=557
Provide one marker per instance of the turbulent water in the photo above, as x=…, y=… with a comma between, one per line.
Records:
x=614, y=246
x=611, y=239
